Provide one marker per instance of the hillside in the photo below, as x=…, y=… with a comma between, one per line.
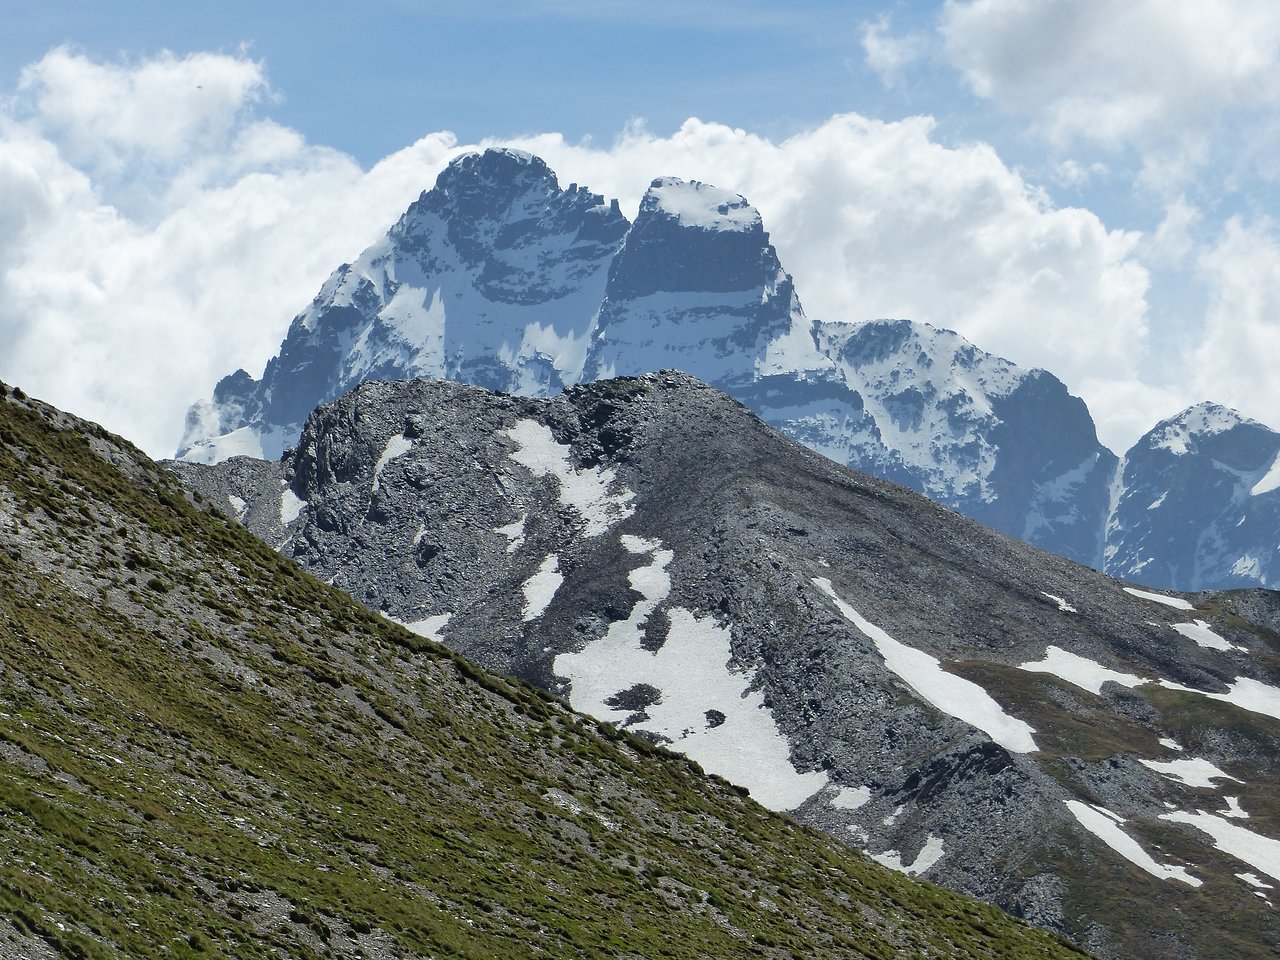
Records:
x=207, y=752
x=956, y=703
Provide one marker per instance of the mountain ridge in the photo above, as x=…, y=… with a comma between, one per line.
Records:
x=956, y=703
x=499, y=277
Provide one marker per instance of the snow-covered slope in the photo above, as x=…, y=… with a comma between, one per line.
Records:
x=493, y=277
x=500, y=278
x=1198, y=504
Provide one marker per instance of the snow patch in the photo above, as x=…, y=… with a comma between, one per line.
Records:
x=1244, y=693
x=1254, y=880
x=851, y=798
x=1081, y=671
x=397, y=446
x=1105, y=825
x=243, y=442
x=1234, y=810
x=1269, y=481
x=290, y=506
x=701, y=205
x=1199, y=631
x=587, y=491
x=1191, y=772
x=237, y=504
x=540, y=589
x=1261, y=853
x=429, y=628
x=956, y=696
x=705, y=707
x=1171, y=744
x=514, y=532
x=930, y=854
x=1062, y=604
x=1176, y=602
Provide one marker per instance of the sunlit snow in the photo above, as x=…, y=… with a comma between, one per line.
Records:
x=696, y=204
x=1176, y=602
x=1105, y=825
x=1193, y=771
x=540, y=589
x=291, y=506
x=397, y=446
x=953, y=695
x=1244, y=693
x=1269, y=481
x=587, y=491
x=1261, y=853
x=851, y=798
x=1200, y=632
x=429, y=628
x=704, y=707
x=1234, y=810
x=514, y=532
x=1081, y=671
x=1062, y=604
x=930, y=854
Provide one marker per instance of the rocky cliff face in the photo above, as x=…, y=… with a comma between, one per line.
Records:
x=957, y=703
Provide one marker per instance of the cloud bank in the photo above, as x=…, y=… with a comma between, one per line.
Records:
x=158, y=230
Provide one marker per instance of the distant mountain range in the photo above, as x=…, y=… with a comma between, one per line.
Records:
x=500, y=278
x=1096, y=758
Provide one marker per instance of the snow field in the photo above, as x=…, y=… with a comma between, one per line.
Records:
x=587, y=491
x=1176, y=602
x=1062, y=604
x=540, y=589
x=397, y=446
x=1191, y=772
x=1261, y=853
x=1081, y=671
x=1105, y=825
x=704, y=708
x=429, y=627
x=290, y=506
x=956, y=696
x=929, y=854
x=1199, y=631
x=514, y=532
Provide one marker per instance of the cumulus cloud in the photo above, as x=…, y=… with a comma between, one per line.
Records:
x=877, y=219
x=1236, y=359
x=1118, y=74
x=137, y=264
x=140, y=267
x=889, y=54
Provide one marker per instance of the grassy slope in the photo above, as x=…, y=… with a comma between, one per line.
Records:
x=205, y=752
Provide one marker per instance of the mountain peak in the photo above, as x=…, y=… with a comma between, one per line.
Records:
x=700, y=205
x=1179, y=433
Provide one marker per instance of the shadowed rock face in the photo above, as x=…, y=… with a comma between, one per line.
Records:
x=957, y=703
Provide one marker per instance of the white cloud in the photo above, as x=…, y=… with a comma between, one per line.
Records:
x=877, y=219
x=140, y=265
x=1156, y=75
x=1235, y=363
x=125, y=311
x=888, y=54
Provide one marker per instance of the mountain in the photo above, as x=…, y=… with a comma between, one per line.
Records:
x=1096, y=758
x=500, y=278
x=205, y=752
x=1198, y=504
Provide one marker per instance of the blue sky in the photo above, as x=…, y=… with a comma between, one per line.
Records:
x=1075, y=184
